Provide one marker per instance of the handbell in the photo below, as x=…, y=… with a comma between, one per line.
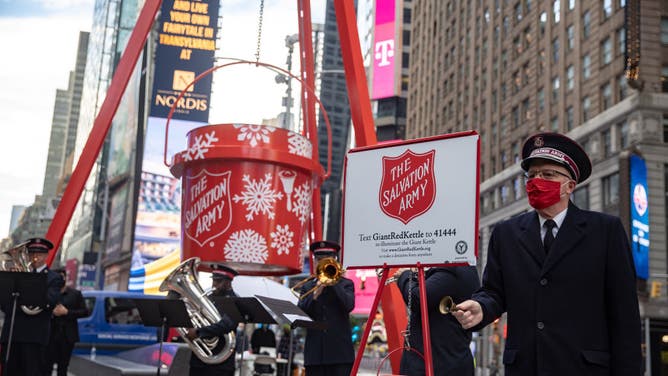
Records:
x=447, y=305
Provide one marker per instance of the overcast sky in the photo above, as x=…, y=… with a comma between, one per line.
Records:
x=39, y=41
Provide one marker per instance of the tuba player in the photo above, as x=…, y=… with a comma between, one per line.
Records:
x=221, y=278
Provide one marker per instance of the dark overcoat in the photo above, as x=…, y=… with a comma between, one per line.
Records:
x=571, y=312
x=451, y=354
x=34, y=328
x=65, y=328
x=333, y=345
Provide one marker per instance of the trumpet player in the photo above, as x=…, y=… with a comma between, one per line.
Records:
x=221, y=281
x=328, y=352
x=450, y=343
x=30, y=336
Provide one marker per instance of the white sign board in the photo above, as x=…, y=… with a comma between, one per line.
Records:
x=412, y=202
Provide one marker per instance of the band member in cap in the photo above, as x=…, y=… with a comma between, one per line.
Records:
x=330, y=351
x=64, y=327
x=565, y=276
x=451, y=354
x=221, y=282
x=31, y=329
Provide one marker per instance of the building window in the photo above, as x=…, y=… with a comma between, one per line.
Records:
x=528, y=5
x=570, y=118
x=571, y=4
x=586, y=108
x=555, y=50
x=570, y=33
x=580, y=197
x=621, y=41
x=554, y=124
x=570, y=77
x=556, y=9
x=525, y=109
x=541, y=62
x=607, y=143
x=664, y=30
x=624, y=135
x=504, y=194
x=606, y=51
x=606, y=96
x=664, y=78
x=586, y=24
x=518, y=187
x=518, y=12
x=543, y=21
x=517, y=83
x=611, y=189
x=517, y=42
x=607, y=8
x=541, y=100
x=555, y=89
x=586, y=66
x=623, y=86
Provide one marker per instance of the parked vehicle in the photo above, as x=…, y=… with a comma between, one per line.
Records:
x=113, y=323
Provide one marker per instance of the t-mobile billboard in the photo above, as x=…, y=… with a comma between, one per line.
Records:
x=384, y=50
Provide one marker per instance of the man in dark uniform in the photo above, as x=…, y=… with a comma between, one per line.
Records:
x=64, y=327
x=451, y=354
x=222, y=286
x=328, y=352
x=31, y=331
x=565, y=276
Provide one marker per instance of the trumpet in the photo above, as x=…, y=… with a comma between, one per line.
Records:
x=447, y=305
x=328, y=272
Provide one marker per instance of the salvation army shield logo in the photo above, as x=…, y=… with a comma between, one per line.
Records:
x=408, y=187
x=207, y=209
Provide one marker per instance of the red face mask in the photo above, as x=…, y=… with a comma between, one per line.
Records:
x=543, y=193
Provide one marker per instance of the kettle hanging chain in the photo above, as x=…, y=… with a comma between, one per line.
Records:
x=259, y=31
x=407, y=332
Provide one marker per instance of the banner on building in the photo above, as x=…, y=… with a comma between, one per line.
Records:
x=639, y=215
x=384, y=50
x=186, y=46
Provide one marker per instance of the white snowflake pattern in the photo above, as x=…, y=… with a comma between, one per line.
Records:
x=302, y=198
x=254, y=133
x=258, y=197
x=299, y=145
x=246, y=246
x=200, y=147
x=281, y=240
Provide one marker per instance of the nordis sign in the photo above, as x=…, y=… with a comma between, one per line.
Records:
x=185, y=49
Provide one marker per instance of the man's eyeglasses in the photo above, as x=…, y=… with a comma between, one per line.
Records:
x=547, y=174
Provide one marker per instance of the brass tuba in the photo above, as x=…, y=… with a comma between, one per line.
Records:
x=183, y=280
x=328, y=272
x=17, y=259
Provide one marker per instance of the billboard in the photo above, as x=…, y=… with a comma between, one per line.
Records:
x=639, y=216
x=384, y=47
x=186, y=46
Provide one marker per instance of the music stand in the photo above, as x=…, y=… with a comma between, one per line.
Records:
x=286, y=312
x=21, y=288
x=163, y=313
x=243, y=309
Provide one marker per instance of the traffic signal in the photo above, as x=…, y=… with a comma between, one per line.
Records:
x=655, y=290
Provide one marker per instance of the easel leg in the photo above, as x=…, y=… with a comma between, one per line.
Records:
x=426, y=339
x=11, y=328
x=162, y=335
x=369, y=321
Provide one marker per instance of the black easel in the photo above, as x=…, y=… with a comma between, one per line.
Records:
x=18, y=288
x=163, y=313
x=286, y=312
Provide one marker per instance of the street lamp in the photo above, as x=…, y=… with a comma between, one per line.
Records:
x=280, y=78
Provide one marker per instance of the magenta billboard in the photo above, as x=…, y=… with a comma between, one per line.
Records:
x=384, y=50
